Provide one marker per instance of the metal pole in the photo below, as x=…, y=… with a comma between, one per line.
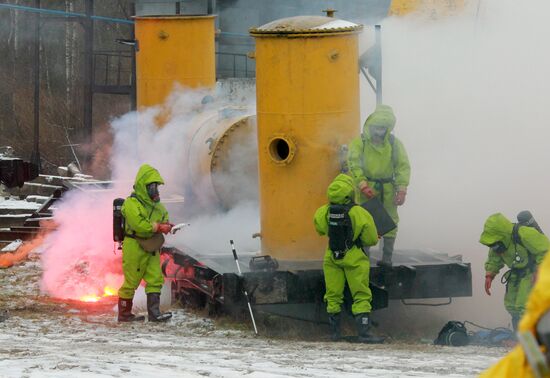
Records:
x=378, y=38
x=245, y=293
x=35, y=156
x=133, y=90
x=88, y=69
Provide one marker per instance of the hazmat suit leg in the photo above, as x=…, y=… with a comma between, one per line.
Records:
x=153, y=274
x=517, y=293
x=357, y=269
x=137, y=265
x=335, y=281
x=353, y=268
x=387, y=251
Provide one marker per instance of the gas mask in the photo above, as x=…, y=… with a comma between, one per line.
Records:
x=378, y=132
x=498, y=247
x=153, y=191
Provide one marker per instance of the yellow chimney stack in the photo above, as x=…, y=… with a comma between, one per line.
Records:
x=307, y=91
x=173, y=50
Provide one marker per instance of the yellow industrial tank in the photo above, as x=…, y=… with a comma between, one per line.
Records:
x=221, y=165
x=307, y=92
x=173, y=50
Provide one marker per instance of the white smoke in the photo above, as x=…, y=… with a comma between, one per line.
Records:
x=79, y=261
x=470, y=96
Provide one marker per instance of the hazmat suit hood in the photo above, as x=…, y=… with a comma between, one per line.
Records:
x=146, y=175
x=497, y=228
x=341, y=190
x=382, y=116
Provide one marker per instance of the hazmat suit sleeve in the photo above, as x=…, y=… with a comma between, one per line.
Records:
x=320, y=220
x=136, y=219
x=494, y=263
x=537, y=243
x=355, y=162
x=363, y=226
x=402, y=166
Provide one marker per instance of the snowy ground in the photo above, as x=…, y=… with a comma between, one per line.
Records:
x=47, y=338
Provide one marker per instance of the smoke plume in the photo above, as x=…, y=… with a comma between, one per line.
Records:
x=81, y=260
x=470, y=98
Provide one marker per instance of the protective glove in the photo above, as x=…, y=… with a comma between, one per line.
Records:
x=400, y=197
x=368, y=192
x=165, y=228
x=488, y=281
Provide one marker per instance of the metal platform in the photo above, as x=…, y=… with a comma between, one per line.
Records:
x=296, y=288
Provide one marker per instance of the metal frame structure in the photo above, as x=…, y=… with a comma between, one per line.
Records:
x=295, y=289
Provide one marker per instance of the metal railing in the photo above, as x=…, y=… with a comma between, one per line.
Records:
x=112, y=68
x=234, y=65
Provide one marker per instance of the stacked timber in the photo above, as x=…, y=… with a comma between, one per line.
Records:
x=25, y=209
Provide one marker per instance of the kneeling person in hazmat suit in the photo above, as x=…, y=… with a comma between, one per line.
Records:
x=521, y=249
x=146, y=220
x=348, y=227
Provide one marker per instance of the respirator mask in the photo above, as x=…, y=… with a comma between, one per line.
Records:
x=498, y=247
x=378, y=132
x=153, y=191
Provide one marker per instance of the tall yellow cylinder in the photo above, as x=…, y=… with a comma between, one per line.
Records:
x=173, y=50
x=307, y=89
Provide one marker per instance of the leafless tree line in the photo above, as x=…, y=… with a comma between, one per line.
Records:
x=61, y=78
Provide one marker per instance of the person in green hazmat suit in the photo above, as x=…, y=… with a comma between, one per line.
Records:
x=379, y=165
x=521, y=249
x=348, y=227
x=515, y=364
x=146, y=219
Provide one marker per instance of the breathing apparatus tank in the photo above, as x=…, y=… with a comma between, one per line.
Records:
x=525, y=218
x=118, y=221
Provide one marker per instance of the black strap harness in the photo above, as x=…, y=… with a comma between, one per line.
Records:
x=379, y=182
x=530, y=267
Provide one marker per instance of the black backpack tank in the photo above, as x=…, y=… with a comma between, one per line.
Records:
x=118, y=220
x=340, y=230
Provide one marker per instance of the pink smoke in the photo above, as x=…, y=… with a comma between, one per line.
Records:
x=80, y=261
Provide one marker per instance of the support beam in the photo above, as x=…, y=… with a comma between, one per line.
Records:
x=35, y=156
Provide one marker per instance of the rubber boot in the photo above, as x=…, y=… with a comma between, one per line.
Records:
x=125, y=311
x=363, y=335
x=334, y=321
x=387, y=250
x=153, y=309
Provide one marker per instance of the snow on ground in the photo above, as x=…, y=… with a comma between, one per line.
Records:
x=43, y=337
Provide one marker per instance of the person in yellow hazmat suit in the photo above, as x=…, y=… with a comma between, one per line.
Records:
x=515, y=363
x=146, y=220
x=379, y=166
x=521, y=248
x=349, y=227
